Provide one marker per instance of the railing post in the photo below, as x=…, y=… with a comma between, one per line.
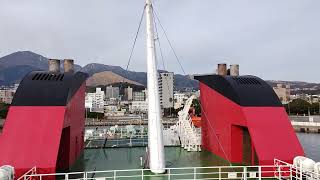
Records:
x=40, y=177
x=142, y=173
x=114, y=174
x=66, y=176
x=300, y=171
x=194, y=173
x=169, y=174
x=280, y=172
x=290, y=172
x=259, y=172
x=219, y=173
x=245, y=173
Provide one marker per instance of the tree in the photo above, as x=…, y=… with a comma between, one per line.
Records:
x=315, y=108
x=3, y=110
x=298, y=106
x=197, y=106
x=95, y=115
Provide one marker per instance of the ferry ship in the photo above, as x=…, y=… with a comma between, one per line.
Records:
x=245, y=131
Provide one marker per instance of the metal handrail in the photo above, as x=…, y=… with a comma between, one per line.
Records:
x=31, y=171
x=172, y=173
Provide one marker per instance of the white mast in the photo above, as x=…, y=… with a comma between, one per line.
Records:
x=155, y=139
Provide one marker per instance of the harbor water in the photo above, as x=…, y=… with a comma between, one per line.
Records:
x=133, y=157
x=311, y=145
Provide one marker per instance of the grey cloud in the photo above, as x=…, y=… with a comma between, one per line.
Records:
x=269, y=38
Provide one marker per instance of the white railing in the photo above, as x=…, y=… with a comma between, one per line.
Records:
x=280, y=170
x=124, y=142
x=218, y=173
x=189, y=135
x=290, y=171
x=313, y=124
x=27, y=175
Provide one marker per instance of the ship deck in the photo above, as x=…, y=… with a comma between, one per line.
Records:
x=130, y=158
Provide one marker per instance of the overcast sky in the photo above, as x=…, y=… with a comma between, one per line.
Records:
x=273, y=39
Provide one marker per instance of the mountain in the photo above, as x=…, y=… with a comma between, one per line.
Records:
x=25, y=58
x=140, y=77
x=107, y=78
x=15, y=66
x=180, y=81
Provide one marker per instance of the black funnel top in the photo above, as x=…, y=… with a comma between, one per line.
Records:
x=243, y=90
x=41, y=88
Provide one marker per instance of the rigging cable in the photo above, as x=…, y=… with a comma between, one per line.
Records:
x=136, y=37
x=169, y=42
x=132, y=49
x=214, y=132
x=159, y=44
x=163, y=63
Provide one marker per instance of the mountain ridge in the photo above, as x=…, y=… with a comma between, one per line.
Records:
x=15, y=66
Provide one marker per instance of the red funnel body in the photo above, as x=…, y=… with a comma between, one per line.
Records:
x=244, y=122
x=45, y=124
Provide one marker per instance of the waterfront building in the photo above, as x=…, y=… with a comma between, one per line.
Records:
x=95, y=101
x=138, y=106
x=112, y=92
x=110, y=108
x=283, y=92
x=6, y=94
x=128, y=93
x=179, y=100
x=139, y=96
x=166, y=89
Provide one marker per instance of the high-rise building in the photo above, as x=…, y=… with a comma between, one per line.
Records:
x=166, y=89
x=112, y=92
x=95, y=101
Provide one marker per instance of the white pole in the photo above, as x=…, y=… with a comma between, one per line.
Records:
x=155, y=139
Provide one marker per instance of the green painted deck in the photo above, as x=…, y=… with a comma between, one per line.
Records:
x=129, y=158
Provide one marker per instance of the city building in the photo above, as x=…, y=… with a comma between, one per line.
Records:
x=88, y=101
x=166, y=89
x=179, y=100
x=283, y=92
x=95, y=101
x=7, y=93
x=112, y=92
x=314, y=98
x=110, y=108
x=139, y=96
x=128, y=93
x=138, y=106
